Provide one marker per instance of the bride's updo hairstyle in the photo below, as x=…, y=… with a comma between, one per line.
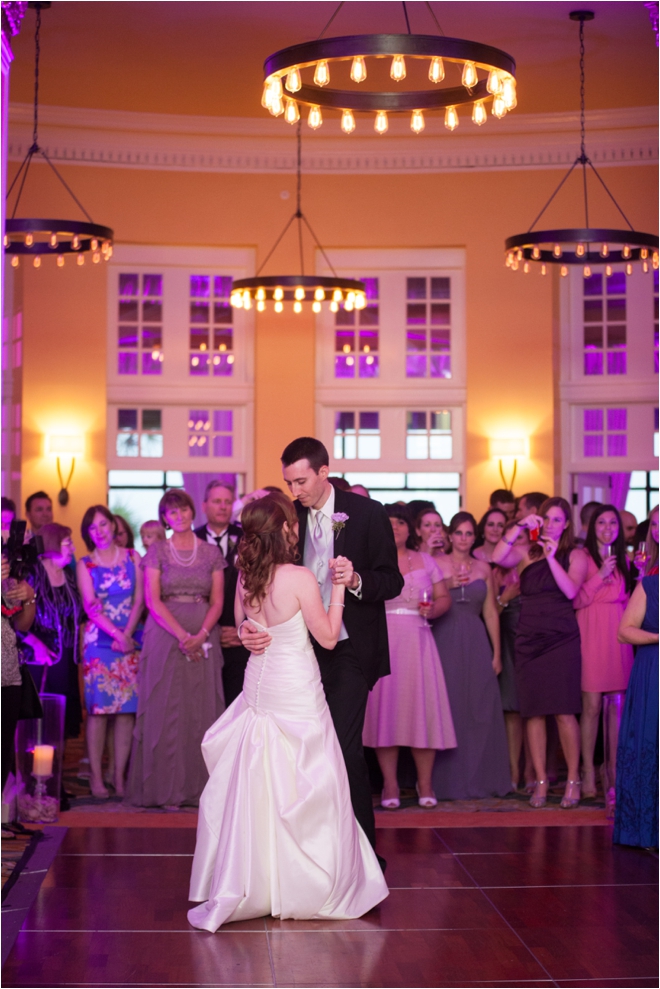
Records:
x=265, y=544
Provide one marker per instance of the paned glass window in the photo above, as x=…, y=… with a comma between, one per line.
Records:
x=655, y=320
x=428, y=328
x=428, y=435
x=210, y=433
x=140, y=313
x=139, y=433
x=356, y=337
x=605, y=432
x=604, y=316
x=357, y=436
x=211, y=331
x=642, y=493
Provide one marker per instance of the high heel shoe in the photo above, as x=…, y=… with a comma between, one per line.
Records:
x=568, y=802
x=539, y=799
x=589, y=783
x=425, y=801
x=390, y=803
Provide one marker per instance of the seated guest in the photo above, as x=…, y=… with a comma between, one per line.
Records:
x=585, y=514
x=180, y=683
x=51, y=645
x=110, y=582
x=124, y=537
x=38, y=511
x=410, y=707
x=606, y=663
x=489, y=533
x=220, y=531
x=151, y=532
x=530, y=504
x=504, y=500
x=468, y=641
x=636, y=815
x=430, y=531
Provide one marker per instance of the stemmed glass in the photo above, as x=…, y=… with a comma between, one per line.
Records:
x=642, y=555
x=463, y=571
x=605, y=553
x=425, y=598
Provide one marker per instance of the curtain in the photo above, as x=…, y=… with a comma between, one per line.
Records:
x=195, y=485
x=619, y=484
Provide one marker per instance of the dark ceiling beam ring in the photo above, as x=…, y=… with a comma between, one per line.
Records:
x=434, y=99
x=581, y=235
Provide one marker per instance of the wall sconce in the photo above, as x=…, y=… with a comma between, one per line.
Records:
x=65, y=446
x=506, y=448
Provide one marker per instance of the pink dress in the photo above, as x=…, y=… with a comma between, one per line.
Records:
x=411, y=706
x=606, y=663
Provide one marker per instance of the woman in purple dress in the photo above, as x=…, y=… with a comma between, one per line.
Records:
x=547, y=654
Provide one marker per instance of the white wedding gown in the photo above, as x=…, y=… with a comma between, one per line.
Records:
x=276, y=832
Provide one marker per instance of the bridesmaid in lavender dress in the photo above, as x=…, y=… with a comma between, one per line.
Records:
x=180, y=682
x=410, y=707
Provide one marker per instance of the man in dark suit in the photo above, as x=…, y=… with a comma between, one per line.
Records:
x=344, y=539
x=220, y=532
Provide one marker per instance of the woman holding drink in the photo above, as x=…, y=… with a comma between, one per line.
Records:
x=547, y=657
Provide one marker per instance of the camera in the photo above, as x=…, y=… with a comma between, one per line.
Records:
x=22, y=556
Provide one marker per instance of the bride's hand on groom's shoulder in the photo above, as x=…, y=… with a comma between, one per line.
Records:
x=254, y=639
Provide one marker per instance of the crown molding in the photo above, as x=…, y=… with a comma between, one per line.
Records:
x=116, y=139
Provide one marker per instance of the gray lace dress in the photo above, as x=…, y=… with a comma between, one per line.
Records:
x=178, y=700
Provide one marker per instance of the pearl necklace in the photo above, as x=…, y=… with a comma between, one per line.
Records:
x=113, y=562
x=179, y=559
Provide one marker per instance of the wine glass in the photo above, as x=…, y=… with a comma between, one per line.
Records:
x=642, y=555
x=462, y=572
x=605, y=553
x=425, y=598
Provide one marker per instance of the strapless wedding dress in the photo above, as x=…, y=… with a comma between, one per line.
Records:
x=276, y=832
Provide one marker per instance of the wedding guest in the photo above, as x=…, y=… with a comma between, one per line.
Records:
x=151, y=532
x=469, y=651
x=636, y=816
x=629, y=526
x=38, y=511
x=220, y=531
x=606, y=663
x=504, y=500
x=489, y=533
x=8, y=516
x=18, y=610
x=530, y=503
x=645, y=560
x=359, y=489
x=430, y=531
x=240, y=503
x=51, y=645
x=339, y=484
x=110, y=583
x=180, y=682
x=585, y=514
x=547, y=648
x=124, y=537
x=410, y=707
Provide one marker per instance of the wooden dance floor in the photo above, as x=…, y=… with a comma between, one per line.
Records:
x=508, y=906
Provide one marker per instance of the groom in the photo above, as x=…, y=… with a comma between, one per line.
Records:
x=344, y=539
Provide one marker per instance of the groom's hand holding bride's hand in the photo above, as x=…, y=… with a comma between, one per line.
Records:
x=254, y=639
x=343, y=572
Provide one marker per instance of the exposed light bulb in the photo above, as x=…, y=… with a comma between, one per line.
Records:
x=297, y=306
x=94, y=244
x=261, y=305
x=350, y=297
x=278, y=294
x=276, y=87
x=544, y=269
x=358, y=69
x=608, y=270
x=557, y=251
x=604, y=251
x=360, y=301
x=279, y=306
x=14, y=261
x=316, y=307
x=75, y=242
x=350, y=361
x=53, y=241
x=37, y=261
x=293, y=81
x=380, y=123
x=629, y=269
x=267, y=95
x=236, y=300
x=644, y=253
x=346, y=348
x=526, y=268
x=509, y=92
x=319, y=294
x=470, y=77
x=337, y=295
x=322, y=73
x=451, y=118
x=580, y=250
x=417, y=123
x=260, y=295
x=277, y=106
x=499, y=106
x=586, y=271
x=60, y=260
x=315, y=119
x=299, y=293
x=29, y=240
x=564, y=271
x=645, y=267
x=334, y=306
x=514, y=265
x=519, y=254
x=656, y=260
x=347, y=121
x=625, y=253
x=479, y=115
x=96, y=257
x=291, y=112
x=398, y=68
x=80, y=259
x=349, y=306
x=494, y=84
x=536, y=252
x=436, y=70
x=247, y=300
x=6, y=240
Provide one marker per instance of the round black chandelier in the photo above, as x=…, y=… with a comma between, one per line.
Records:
x=486, y=74
x=585, y=245
x=37, y=237
x=349, y=293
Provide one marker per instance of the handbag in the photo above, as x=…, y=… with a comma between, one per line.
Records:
x=30, y=704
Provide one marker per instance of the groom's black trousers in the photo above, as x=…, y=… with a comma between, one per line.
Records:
x=346, y=691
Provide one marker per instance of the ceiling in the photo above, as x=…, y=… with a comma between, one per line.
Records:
x=205, y=58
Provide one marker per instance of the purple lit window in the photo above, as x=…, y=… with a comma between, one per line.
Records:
x=152, y=362
x=369, y=316
x=198, y=446
x=440, y=288
x=223, y=365
x=358, y=352
x=127, y=363
x=222, y=286
x=199, y=312
x=368, y=365
x=199, y=363
x=416, y=314
x=616, y=310
x=128, y=312
x=152, y=337
x=129, y=286
x=593, y=420
x=593, y=446
x=128, y=336
x=616, y=362
x=617, y=445
x=440, y=366
x=616, y=283
x=345, y=318
x=416, y=340
x=200, y=286
x=127, y=419
x=416, y=365
x=223, y=421
x=152, y=312
x=344, y=366
x=428, y=337
x=593, y=285
x=199, y=337
x=222, y=446
x=617, y=420
x=593, y=310
x=416, y=288
x=370, y=288
x=223, y=338
x=211, y=318
x=344, y=340
x=222, y=312
x=593, y=362
x=152, y=285
x=368, y=340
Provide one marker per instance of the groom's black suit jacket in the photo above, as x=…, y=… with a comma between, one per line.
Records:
x=367, y=541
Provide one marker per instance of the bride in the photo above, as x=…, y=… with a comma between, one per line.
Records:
x=276, y=832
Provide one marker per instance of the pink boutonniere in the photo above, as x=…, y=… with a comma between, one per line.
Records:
x=339, y=520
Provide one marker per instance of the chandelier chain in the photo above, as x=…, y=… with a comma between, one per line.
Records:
x=405, y=14
x=583, y=128
x=430, y=9
x=330, y=21
x=37, y=53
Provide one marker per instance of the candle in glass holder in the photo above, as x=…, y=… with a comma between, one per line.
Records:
x=42, y=761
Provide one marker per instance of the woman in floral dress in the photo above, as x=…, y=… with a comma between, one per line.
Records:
x=110, y=582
